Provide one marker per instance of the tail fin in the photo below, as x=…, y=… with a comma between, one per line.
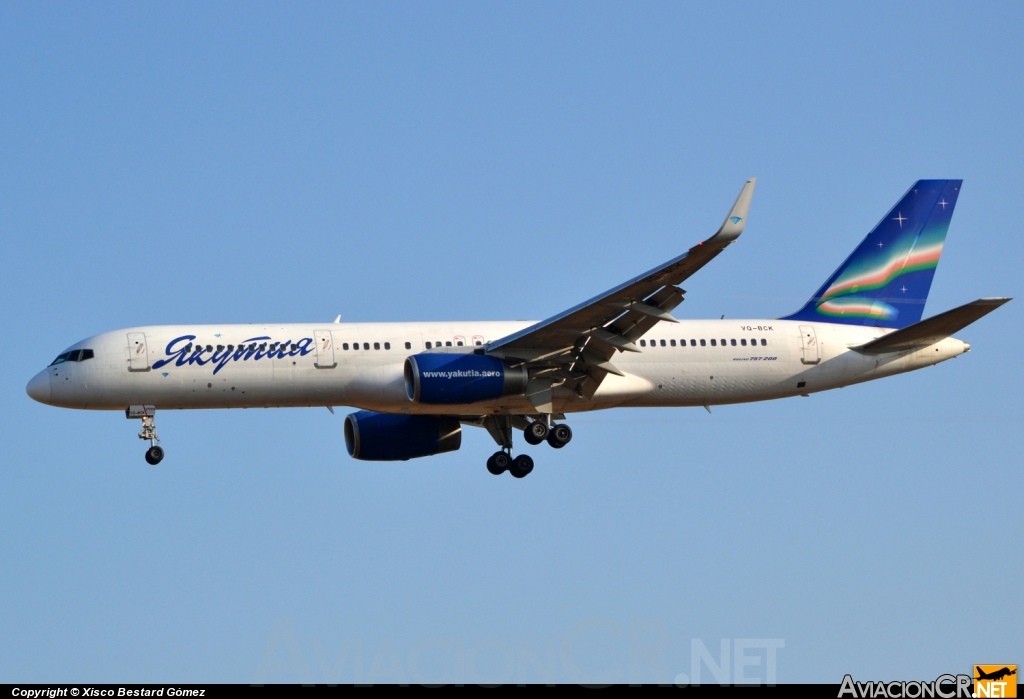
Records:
x=885, y=281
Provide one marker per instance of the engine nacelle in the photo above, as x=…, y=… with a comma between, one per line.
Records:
x=374, y=436
x=459, y=379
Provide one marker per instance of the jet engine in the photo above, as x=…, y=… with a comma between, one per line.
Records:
x=458, y=379
x=374, y=436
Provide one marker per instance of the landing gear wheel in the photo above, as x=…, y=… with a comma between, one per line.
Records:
x=521, y=466
x=498, y=463
x=154, y=455
x=536, y=433
x=559, y=436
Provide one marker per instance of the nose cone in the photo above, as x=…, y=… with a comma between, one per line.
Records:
x=38, y=388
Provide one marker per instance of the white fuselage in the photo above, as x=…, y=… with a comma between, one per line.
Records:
x=294, y=365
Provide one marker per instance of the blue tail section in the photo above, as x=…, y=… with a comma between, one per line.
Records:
x=885, y=281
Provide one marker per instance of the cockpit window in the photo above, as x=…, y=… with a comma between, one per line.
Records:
x=73, y=356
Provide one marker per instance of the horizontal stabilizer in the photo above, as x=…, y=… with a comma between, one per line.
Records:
x=928, y=332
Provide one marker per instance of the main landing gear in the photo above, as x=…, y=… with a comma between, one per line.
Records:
x=535, y=432
x=502, y=461
x=556, y=435
x=147, y=413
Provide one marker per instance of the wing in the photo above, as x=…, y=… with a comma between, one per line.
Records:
x=576, y=346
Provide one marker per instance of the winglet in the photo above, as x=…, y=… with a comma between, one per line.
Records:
x=737, y=218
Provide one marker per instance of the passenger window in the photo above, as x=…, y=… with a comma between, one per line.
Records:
x=355, y=345
x=743, y=342
x=704, y=344
x=693, y=343
x=478, y=343
x=643, y=343
x=366, y=345
x=87, y=354
x=387, y=345
x=723, y=343
x=753, y=342
x=764, y=342
x=209, y=348
x=428, y=344
x=459, y=343
x=663, y=343
x=713, y=343
x=448, y=344
x=376, y=345
x=672, y=342
x=344, y=345
x=408, y=345
x=732, y=342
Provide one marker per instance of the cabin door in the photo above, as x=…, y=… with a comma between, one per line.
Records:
x=324, y=349
x=138, y=354
x=809, y=345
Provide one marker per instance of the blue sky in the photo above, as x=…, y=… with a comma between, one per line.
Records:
x=270, y=162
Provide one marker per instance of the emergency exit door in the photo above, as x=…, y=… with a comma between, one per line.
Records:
x=324, y=349
x=138, y=353
x=809, y=345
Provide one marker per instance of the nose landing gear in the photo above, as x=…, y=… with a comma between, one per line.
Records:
x=147, y=413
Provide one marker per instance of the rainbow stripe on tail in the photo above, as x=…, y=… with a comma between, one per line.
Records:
x=885, y=282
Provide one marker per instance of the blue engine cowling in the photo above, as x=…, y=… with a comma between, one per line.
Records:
x=374, y=436
x=459, y=379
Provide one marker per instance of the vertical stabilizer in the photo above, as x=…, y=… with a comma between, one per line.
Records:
x=885, y=282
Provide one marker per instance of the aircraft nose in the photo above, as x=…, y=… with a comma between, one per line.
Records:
x=38, y=388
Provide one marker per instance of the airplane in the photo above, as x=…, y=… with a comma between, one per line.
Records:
x=415, y=385
x=996, y=675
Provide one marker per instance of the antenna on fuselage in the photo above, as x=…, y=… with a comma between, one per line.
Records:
x=338, y=319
